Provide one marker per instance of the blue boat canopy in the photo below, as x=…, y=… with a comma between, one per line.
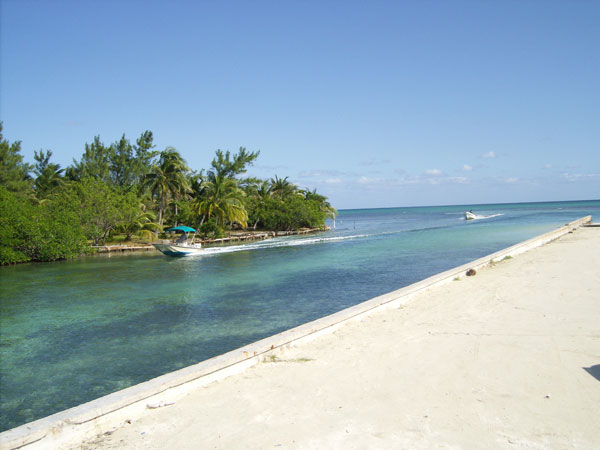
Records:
x=181, y=228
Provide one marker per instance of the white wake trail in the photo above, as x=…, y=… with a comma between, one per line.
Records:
x=480, y=217
x=278, y=242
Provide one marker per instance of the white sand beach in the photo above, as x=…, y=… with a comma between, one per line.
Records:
x=505, y=359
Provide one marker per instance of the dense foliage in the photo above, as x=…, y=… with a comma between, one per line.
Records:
x=49, y=213
x=39, y=232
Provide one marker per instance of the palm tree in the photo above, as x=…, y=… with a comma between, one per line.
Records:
x=142, y=223
x=222, y=199
x=48, y=175
x=325, y=207
x=48, y=179
x=281, y=187
x=167, y=179
x=260, y=191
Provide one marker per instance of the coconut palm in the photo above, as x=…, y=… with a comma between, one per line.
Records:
x=167, y=179
x=329, y=211
x=49, y=178
x=48, y=175
x=142, y=223
x=222, y=199
x=260, y=191
x=281, y=187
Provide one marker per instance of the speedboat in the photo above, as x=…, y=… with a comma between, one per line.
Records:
x=470, y=216
x=184, y=246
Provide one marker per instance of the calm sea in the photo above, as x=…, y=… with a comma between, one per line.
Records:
x=74, y=331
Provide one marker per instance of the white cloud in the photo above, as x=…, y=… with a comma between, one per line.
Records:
x=579, y=176
x=433, y=172
x=511, y=180
x=321, y=173
x=333, y=181
x=488, y=155
x=407, y=180
x=438, y=178
x=271, y=168
x=459, y=180
x=467, y=168
x=367, y=180
x=309, y=174
x=376, y=162
x=547, y=166
x=445, y=180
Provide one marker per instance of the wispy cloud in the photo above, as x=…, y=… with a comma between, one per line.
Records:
x=271, y=168
x=511, y=180
x=370, y=180
x=547, y=166
x=459, y=180
x=432, y=179
x=488, y=155
x=310, y=174
x=375, y=162
x=441, y=179
x=433, y=172
x=322, y=173
x=467, y=168
x=579, y=176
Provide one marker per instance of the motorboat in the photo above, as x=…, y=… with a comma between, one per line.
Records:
x=184, y=246
x=470, y=216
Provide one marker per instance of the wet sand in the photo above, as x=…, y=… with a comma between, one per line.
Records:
x=508, y=359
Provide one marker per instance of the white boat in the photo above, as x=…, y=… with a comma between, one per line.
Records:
x=179, y=249
x=470, y=216
x=184, y=246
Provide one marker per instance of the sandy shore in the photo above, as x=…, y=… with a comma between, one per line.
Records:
x=509, y=358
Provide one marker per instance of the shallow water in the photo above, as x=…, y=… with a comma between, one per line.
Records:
x=74, y=331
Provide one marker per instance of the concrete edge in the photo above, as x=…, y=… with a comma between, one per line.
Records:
x=107, y=413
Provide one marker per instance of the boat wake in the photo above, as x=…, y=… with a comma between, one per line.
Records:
x=288, y=241
x=278, y=242
x=481, y=216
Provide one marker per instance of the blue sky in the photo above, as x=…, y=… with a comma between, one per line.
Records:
x=374, y=104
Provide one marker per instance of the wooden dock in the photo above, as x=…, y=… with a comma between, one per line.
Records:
x=121, y=248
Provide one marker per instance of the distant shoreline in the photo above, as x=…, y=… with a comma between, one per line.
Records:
x=468, y=206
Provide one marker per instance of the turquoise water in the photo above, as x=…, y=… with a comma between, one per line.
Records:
x=74, y=331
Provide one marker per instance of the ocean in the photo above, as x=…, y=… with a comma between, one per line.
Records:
x=73, y=331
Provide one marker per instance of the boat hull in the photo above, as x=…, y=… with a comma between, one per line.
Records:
x=177, y=250
x=470, y=216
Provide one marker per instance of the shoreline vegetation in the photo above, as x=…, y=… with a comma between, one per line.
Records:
x=125, y=194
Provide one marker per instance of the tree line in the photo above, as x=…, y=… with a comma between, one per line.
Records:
x=133, y=191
